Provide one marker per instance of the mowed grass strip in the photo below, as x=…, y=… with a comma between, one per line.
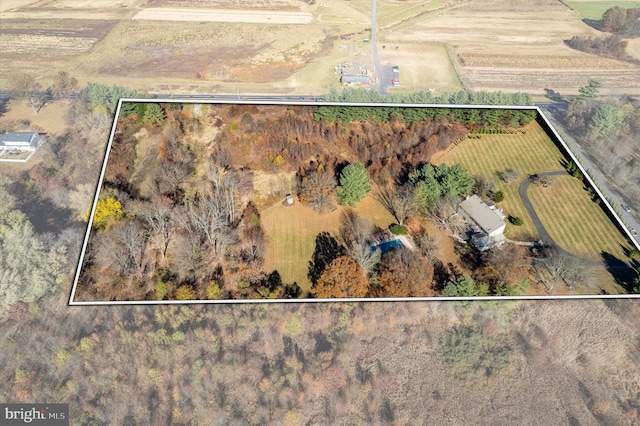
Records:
x=575, y=222
x=595, y=9
x=530, y=153
x=291, y=234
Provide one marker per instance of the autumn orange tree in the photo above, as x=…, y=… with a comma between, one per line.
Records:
x=343, y=277
x=404, y=273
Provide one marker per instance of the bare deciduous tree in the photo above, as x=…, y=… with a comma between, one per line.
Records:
x=316, y=188
x=159, y=219
x=559, y=266
x=429, y=245
x=125, y=245
x=399, y=200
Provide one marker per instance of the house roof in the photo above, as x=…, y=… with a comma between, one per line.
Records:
x=487, y=218
x=18, y=137
x=355, y=79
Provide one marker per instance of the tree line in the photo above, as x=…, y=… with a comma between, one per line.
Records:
x=465, y=116
x=622, y=21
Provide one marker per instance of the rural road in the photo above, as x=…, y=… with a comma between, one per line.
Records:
x=610, y=193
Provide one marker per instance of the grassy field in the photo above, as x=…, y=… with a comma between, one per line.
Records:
x=393, y=12
x=595, y=9
x=530, y=153
x=291, y=232
x=575, y=222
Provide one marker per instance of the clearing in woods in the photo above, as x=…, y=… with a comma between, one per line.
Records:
x=291, y=234
x=565, y=208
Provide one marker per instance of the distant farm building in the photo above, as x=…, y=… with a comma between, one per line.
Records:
x=21, y=141
x=486, y=222
x=355, y=80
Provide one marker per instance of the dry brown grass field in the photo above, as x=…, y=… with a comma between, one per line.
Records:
x=422, y=66
x=516, y=45
x=504, y=45
x=110, y=44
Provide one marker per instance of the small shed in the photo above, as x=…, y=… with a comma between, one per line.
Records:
x=289, y=199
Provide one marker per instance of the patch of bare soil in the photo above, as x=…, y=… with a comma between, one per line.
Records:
x=40, y=38
x=225, y=15
x=234, y=4
x=176, y=62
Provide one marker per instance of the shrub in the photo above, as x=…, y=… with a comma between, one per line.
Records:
x=398, y=229
x=213, y=290
x=161, y=290
x=185, y=292
x=516, y=220
x=498, y=196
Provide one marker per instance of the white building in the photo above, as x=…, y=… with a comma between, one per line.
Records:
x=486, y=220
x=21, y=141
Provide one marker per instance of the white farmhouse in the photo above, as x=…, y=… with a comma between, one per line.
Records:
x=20, y=141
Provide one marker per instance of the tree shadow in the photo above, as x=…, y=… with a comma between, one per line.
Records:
x=552, y=95
x=635, y=261
x=327, y=250
x=441, y=275
x=622, y=272
x=4, y=106
x=593, y=23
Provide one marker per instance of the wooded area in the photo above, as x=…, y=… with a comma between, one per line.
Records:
x=178, y=216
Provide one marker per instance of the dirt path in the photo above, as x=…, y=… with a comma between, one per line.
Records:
x=222, y=15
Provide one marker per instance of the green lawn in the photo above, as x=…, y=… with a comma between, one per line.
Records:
x=595, y=9
x=575, y=222
x=530, y=153
x=291, y=233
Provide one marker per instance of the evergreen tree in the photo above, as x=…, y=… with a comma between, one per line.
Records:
x=354, y=184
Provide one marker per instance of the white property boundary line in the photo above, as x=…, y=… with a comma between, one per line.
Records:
x=389, y=299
